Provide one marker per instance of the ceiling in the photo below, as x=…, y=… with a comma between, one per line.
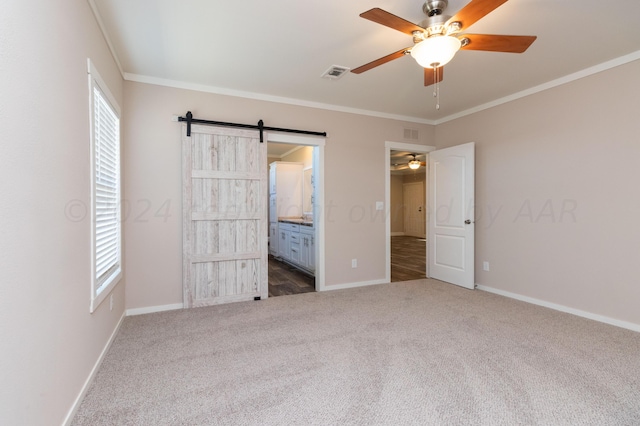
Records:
x=278, y=50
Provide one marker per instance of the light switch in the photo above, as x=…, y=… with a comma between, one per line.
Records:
x=379, y=205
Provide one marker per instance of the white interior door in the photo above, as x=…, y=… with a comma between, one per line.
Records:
x=224, y=216
x=413, y=200
x=451, y=214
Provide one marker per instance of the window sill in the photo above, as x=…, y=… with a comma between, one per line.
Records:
x=105, y=290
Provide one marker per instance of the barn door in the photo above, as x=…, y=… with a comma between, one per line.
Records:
x=224, y=216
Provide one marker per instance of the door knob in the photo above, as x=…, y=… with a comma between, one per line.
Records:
x=468, y=222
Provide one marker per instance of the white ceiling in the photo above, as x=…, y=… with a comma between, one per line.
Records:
x=278, y=49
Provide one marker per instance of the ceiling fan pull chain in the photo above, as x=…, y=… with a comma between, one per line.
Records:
x=436, y=88
x=435, y=80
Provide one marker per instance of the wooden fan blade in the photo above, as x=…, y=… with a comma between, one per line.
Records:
x=474, y=11
x=429, y=77
x=498, y=43
x=378, y=62
x=390, y=20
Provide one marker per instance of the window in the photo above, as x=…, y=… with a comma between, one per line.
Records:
x=106, y=265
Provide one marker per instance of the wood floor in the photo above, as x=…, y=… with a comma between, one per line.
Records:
x=408, y=258
x=285, y=279
x=408, y=262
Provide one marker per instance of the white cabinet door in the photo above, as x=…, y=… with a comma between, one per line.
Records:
x=273, y=239
x=304, y=250
x=312, y=252
x=284, y=237
x=273, y=208
x=307, y=249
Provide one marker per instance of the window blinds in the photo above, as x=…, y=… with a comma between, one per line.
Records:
x=107, y=190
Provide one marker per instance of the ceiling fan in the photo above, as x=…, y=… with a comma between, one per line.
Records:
x=438, y=38
x=412, y=164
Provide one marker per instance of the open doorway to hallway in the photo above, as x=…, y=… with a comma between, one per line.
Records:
x=407, y=202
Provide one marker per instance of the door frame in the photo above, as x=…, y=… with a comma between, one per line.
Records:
x=401, y=146
x=318, y=144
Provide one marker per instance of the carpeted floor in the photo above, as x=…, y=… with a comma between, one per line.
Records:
x=417, y=352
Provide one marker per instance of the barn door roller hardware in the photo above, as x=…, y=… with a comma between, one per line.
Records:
x=260, y=126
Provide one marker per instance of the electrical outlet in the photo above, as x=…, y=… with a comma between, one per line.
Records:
x=111, y=302
x=354, y=263
x=485, y=265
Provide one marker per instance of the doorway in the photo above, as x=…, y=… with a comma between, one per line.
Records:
x=406, y=198
x=296, y=232
x=450, y=228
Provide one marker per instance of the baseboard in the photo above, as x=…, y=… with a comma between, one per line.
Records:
x=76, y=404
x=152, y=309
x=396, y=234
x=584, y=314
x=354, y=285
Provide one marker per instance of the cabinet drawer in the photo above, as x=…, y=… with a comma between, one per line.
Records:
x=289, y=227
x=295, y=252
x=295, y=237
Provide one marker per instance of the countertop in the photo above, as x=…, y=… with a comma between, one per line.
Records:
x=296, y=221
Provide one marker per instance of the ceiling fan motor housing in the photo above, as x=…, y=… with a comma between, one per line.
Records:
x=434, y=7
x=435, y=23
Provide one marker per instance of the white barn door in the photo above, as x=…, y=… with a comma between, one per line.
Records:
x=451, y=215
x=224, y=216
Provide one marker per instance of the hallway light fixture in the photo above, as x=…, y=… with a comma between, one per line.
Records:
x=414, y=164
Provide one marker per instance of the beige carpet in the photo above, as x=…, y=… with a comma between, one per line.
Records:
x=418, y=352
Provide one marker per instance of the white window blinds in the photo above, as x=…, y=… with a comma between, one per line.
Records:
x=107, y=189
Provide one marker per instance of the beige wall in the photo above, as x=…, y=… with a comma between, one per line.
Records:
x=49, y=340
x=396, y=203
x=152, y=167
x=556, y=190
x=303, y=155
x=542, y=161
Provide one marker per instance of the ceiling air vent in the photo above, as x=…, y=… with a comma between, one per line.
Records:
x=335, y=72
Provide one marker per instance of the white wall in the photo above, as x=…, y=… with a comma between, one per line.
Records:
x=556, y=188
x=152, y=169
x=49, y=340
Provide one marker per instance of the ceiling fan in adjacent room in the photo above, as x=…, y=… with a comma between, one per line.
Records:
x=438, y=38
x=405, y=161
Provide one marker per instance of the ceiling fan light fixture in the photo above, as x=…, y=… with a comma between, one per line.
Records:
x=435, y=51
x=414, y=164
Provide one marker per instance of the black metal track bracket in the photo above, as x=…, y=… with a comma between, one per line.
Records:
x=260, y=127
